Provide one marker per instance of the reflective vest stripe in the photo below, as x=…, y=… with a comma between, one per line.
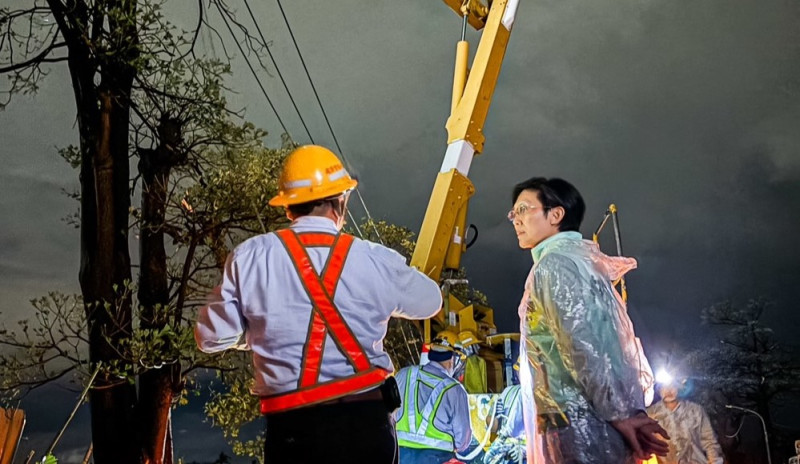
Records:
x=324, y=320
x=315, y=346
x=508, y=402
x=424, y=434
x=322, y=392
x=313, y=239
x=432, y=405
x=322, y=300
x=312, y=352
x=413, y=440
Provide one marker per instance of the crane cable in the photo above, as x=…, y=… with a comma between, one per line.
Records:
x=330, y=128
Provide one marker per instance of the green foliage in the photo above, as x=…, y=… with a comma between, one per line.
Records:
x=50, y=346
x=234, y=407
x=219, y=179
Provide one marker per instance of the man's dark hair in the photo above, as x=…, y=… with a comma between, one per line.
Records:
x=556, y=192
x=304, y=209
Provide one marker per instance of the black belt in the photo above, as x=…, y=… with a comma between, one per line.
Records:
x=369, y=395
x=387, y=393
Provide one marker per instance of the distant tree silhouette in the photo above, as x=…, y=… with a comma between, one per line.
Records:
x=745, y=367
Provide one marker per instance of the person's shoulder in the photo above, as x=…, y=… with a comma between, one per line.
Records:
x=692, y=406
x=404, y=370
x=656, y=410
x=255, y=245
x=556, y=262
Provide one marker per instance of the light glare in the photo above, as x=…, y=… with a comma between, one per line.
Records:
x=663, y=377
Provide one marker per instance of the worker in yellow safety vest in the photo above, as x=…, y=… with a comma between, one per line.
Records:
x=434, y=419
x=313, y=305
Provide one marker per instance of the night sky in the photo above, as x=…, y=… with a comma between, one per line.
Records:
x=684, y=113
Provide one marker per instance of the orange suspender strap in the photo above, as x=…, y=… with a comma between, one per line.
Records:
x=312, y=239
x=325, y=317
x=318, y=330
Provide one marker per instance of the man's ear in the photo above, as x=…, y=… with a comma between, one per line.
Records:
x=556, y=215
x=289, y=215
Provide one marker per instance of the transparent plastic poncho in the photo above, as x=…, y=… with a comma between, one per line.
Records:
x=585, y=367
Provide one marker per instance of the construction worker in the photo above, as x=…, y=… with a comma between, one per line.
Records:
x=433, y=422
x=588, y=398
x=692, y=440
x=313, y=305
x=509, y=446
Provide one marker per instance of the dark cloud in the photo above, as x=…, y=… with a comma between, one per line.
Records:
x=683, y=113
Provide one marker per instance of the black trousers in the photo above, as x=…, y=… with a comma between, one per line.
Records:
x=354, y=432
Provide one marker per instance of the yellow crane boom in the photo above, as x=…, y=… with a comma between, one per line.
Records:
x=441, y=240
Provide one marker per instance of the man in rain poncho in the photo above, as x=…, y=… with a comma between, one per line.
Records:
x=692, y=440
x=584, y=363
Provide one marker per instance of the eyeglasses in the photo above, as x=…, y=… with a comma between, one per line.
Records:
x=520, y=210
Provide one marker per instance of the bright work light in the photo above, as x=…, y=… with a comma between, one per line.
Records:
x=663, y=377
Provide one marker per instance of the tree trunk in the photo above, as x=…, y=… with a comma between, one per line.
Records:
x=157, y=385
x=105, y=264
x=103, y=120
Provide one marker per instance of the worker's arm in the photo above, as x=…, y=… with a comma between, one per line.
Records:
x=586, y=327
x=414, y=294
x=220, y=324
x=708, y=439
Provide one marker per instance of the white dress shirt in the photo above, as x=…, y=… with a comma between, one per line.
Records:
x=262, y=302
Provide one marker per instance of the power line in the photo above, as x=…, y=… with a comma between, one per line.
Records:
x=277, y=69
x=258, y=81
x=252, y=70
x=327, y=121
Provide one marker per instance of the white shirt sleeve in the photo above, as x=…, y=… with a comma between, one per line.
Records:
x=220, y=324
x=416, y=296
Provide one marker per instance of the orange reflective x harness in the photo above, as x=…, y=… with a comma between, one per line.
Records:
x=325, y=320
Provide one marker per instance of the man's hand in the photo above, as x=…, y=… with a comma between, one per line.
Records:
x=640, y=432
x=651, y=438
x=515, y=453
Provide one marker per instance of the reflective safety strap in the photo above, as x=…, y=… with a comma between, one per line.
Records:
x=431, y=405
x=411, y=395
x=417, y=435
x=325, y=315
x=325, y=320
x=508, y=403
x=317, y=331
x=315, y=239
x=408, y=438
x=323, y=391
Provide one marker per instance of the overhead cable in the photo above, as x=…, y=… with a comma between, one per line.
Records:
x=252, y=70
x=277, y=69
x=327, y=121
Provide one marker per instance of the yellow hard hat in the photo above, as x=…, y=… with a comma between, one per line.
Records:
x=311, y=173
x=467, y=338
x=445, y=340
